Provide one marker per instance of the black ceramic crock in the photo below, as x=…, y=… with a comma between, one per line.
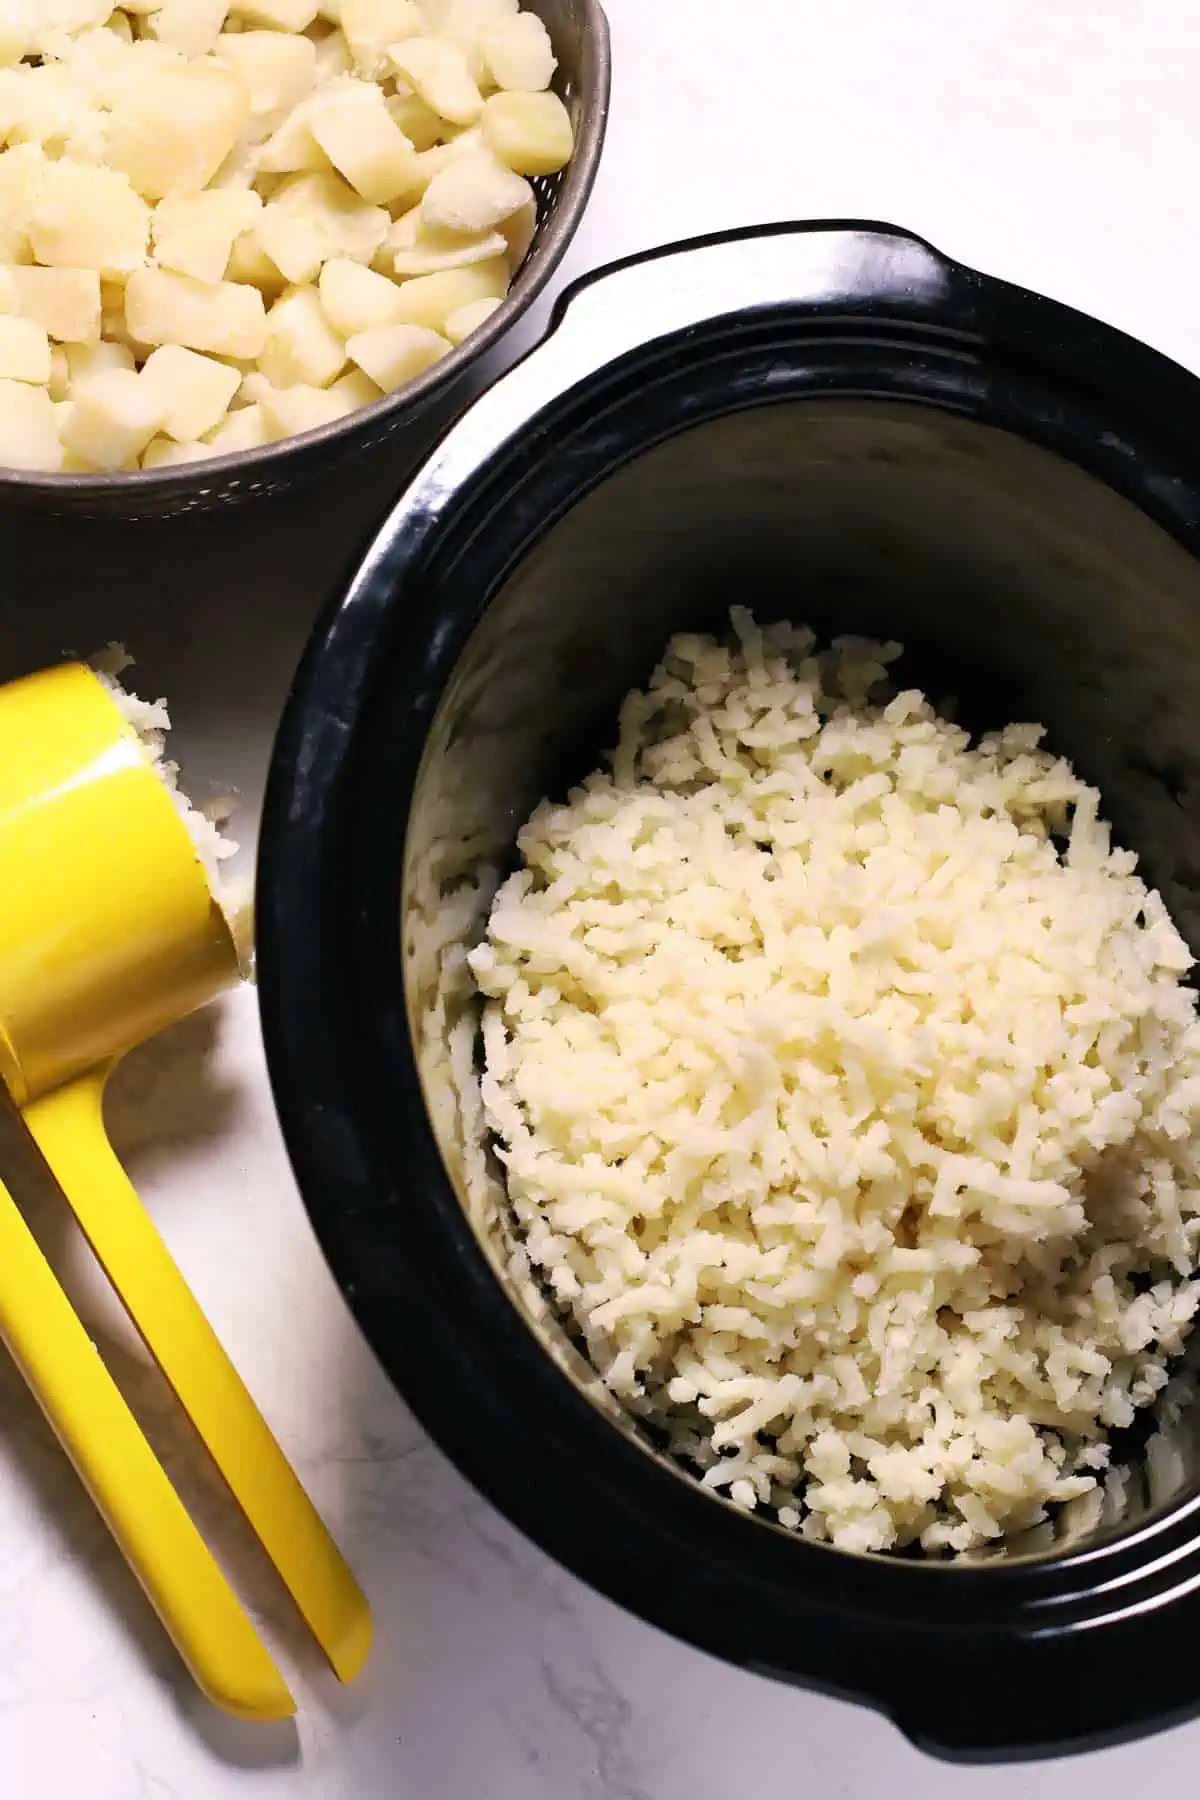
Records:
x=836, y=424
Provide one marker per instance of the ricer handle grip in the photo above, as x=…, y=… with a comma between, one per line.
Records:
x=84, y=1406
x=68, y=1125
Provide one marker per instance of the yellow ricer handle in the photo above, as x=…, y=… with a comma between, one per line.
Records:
x=68, y=1126
x=125, y=1479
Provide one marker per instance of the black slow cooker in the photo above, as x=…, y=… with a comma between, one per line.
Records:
x=837, y=425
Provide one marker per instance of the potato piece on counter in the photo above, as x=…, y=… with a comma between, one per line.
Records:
x=195, y=233
x=438, y=71
x=88, y=218
x=301, y=344
x=356, y=299
x=222, y=317
x=171, y=134
x=28, y=428
x=113, y=418
x=352, y=125
x=394, y=354
x=195, y=390
x=278, y=71
x=24, y=351
x=474, y=194
x=430, y=299
x=64, y=302
x=531, y=133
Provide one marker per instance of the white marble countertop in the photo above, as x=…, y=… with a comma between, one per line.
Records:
x=1055, y=144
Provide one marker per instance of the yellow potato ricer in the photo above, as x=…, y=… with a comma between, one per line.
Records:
x=109, y=931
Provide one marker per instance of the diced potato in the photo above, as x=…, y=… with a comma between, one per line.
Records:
x=88, y=218
x=253, y=390
x=22, y=170
x=64, y=302
x=463, y=16
x=394, y=354
x=172, y=134
x=195, y=390
x=18, y=30
x=195, y=233
x=297, y=246
x=355, y=299
x=60, y=374
x=357, y=388
x=464, y=143
x=28, y=428
x=224, y=317
x=301, y=344
x=86, y=360
x=518, y=54
x=45, y=105
x=292, y=148
x=416, y=250
x=165, y=453
x=531, y=133
x=242, y=430
x=519, y=232
x=333, y=58
x=370, y=26
x=279, y=15
x=430, y=299
x=466, y=319
x=474, y=194
x=24, y=351
x=278, y=71
x=248, y=261
x=355, y=130
x=113, y=418
x=437, y=70
x=286, y=411
x=348, y=225
x=416, y=119
x=192, y=26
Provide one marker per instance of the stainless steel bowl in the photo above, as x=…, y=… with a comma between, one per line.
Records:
x=579, y=32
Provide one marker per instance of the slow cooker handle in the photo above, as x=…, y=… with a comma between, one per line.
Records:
x=629, y=304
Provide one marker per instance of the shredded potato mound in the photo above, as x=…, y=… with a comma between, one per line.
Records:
x=851, y=1118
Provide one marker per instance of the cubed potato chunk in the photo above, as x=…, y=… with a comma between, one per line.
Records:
x=171, y=134
x=518, y=54
x=333, y=58
x=370, y=26
x=223, y=317
x=89, y=218
x=86, y=360
x=24, y=351
x=28, y=428
x=165, y=453
x=357, y=388
x=59, y=384
x=45, y=105
x=329, y=219
x=241, y=430
x=286, y=411
x=416, y=250
x=416, y=119
x=64, y=302
x=22, y=171
x=301, y=345
x=192, y=26
x=195, y=390
x=438, y=71
x=278, y=71
x=473, y=195
x=18, y=31
x=195, y=233
x=519, y=233
x=394, y=354
x=113, y=417
x=466, y=319
x=430, y=299
x=248, y=261
x=531, y=133
x=278, y=15
x=353, y=127
x=292, y=148
x=297, y=246
x=356, y=299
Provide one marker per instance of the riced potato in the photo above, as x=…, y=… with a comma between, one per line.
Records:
x=330, y=197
